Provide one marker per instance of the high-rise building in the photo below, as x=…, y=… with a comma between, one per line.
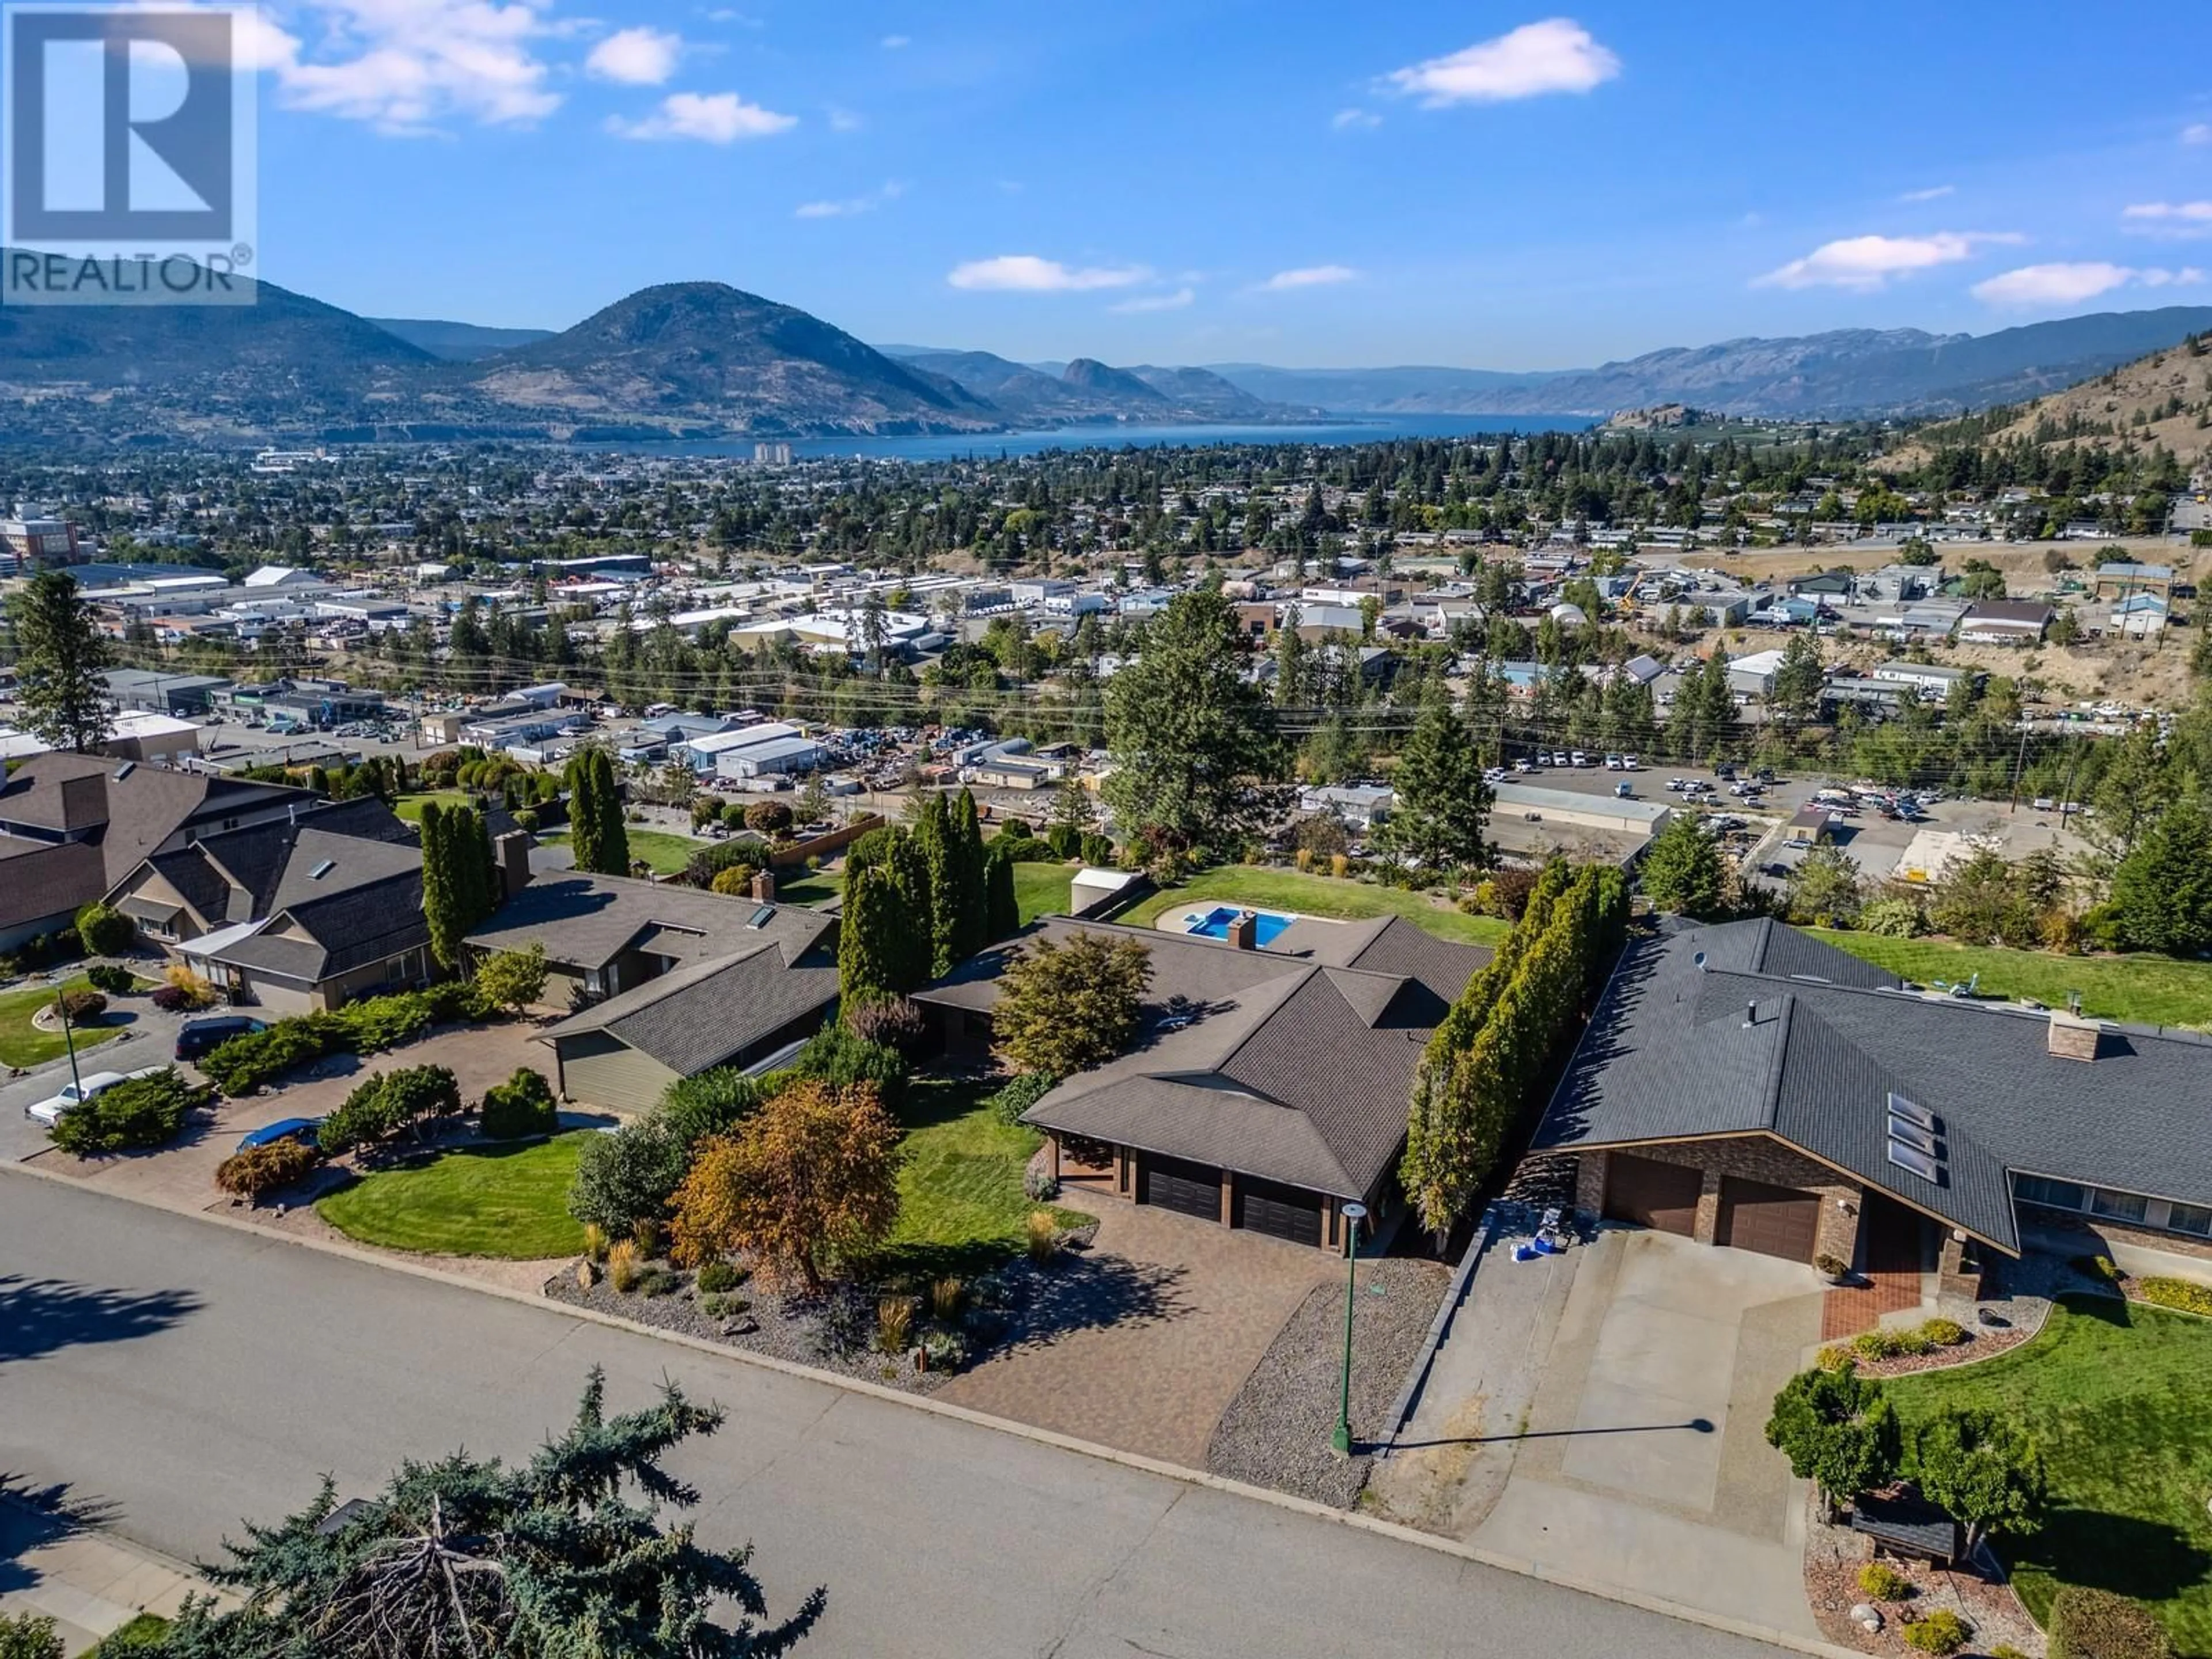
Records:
x=772, y=454
x=29, y=542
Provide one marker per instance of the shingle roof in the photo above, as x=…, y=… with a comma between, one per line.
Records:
x=585, y=922
x=699, y=1014
x=1293, y=1062
x=1669, y=1055
x=127, y=813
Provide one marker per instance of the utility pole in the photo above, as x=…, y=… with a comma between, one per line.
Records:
x=68, y=1041
x=2018, y=764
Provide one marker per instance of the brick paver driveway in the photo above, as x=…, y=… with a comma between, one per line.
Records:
x=1169, y=1315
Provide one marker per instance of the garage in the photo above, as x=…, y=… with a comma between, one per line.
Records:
x=1660, y=1196
x=1279, y=1211
x=1172, y=1184
x=1771, y=1220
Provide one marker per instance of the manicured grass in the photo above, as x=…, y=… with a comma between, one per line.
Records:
x=2115, y=1394
x=410, y=807
x=666, y=853
x=505, y=1202
x=22, y=1043
x=2148, y=989
x=812, y=888
x=1042, y=889
x=1315, y=896
x=141, y=1633
x=961, y=1204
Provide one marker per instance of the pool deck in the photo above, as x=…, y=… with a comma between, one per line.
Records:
x=1191, y=921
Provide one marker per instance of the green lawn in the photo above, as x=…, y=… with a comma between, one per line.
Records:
x=666, y=853
x=22, y=1043
x=2115, y=1393
x=1314, y=896
x=140, y=1633
x=2148, y=989
x=506, y=1201
x=812, y=888
x=961, y=1206
x=1042, y=889
x=410, y=807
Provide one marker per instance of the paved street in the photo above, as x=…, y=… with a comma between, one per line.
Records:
x=191, y=1375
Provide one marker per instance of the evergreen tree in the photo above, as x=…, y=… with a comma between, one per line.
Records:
x=1443, y=802
x=614, y=833
x=869, y=952
x=583, y=815
x=932, y=837
x=2162, y=889
x=1682, y=869
x=444, y=900
x=970, y=916
x=60, y=656
x=1002, y=905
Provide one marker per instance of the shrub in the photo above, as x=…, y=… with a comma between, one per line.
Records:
x=2180, y=1293
x=736, y=881
x=1018, y=1094
x=1944, y=1333
x=648, y=1235
x=1039, y=1186
x=2095, y=1624
x=768, y=818
x=1836, y=1356
x=1881, y=1582
x=1041, y=1233
x=719, y=1275
x=2102, y=1268
x=1831, y=1267
x=169, y=999
x=253, y=1172
x=1064, y=839
x=526, y=819
x=193, y=991
x=111, y=978
x=367, y=1027
x=523, y=1105
x=840, y=1057
x=1874, y=1344
x=387, y=1103
x=82, y=1007
x=624, y=1266
x=2006, y=1650
x=946, y=1298
x=719, y=1307
x=888, y=1021
x=142, y=1111
x=30, y=1635
x=105, y=931
x=511, y=980
x=658, y=1281
x=1942, y=1631
x=895, y=1324
x=1096, y=849
x=595, y=1242
x=1894, y=918
x=1914, y=1342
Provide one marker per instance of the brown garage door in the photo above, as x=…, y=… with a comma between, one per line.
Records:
x=1652, y=1194
x=1771, y=1220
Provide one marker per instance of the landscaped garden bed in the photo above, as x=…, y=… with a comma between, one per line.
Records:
x=1837, y=1580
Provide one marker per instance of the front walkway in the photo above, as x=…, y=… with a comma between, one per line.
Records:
x=1177, y=1314
x=90, y=1584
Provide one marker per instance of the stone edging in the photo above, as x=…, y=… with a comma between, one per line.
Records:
x=1521, y=1567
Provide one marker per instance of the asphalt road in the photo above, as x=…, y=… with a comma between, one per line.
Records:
x=189, y=1374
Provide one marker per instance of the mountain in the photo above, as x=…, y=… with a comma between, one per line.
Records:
x=1086, y=390
x=708, y=352
x=1208, y=394
x=458, y=343
x=2162, y=400
x=1374, y=390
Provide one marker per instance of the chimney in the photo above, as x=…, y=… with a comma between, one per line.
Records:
x=1244, y=932
x=765, y=887
x=511, y=852
x=2072, y=1037
x=1750, y=1015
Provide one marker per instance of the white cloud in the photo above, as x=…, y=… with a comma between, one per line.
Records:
x=2199, y=133
x=719, y=117
x=897, y=42
x=636, y=57
x=404, y=65
x=890, y=191
x=1025, y=273
x=2175, y=220
x=1345, y=119
x=845, y=120
x=1933, y=194
x=1868, y=262
x=1556, y=55
x=2066, y=285
x=1143, y=302
x=1308, y=276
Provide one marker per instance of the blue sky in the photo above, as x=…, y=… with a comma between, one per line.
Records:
x=1496, y=186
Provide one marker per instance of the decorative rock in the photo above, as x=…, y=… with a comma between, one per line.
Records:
x=1868, y=1615
x=743, y=1327
x=587, y=1274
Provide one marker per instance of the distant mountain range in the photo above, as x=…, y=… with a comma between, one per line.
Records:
x=706, y=360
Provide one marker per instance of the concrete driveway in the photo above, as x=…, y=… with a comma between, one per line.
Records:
x=1631, y=1449
x=149, y=1037
x=1157, y=1327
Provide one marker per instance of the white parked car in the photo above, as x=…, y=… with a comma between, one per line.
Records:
x=49, y=1110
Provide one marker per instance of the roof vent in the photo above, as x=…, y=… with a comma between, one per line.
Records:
x=1698, y=962
x=1750, y=1015
x=322, y=869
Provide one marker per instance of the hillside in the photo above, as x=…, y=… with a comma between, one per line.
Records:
x=458, y=343
x=1088, y=390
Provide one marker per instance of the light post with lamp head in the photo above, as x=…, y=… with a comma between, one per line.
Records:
x=1353, y=1214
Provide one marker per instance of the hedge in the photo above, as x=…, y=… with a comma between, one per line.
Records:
x=368, y=1027
x=1018, y=1094
x=140, y=1111
x=2094, y=1623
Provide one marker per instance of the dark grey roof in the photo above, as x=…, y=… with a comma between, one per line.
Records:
x=699, y=1014
x=585, y=922
x=1669, y=1055
x=317, y=938
x=125, y=809
x=1294, y=1063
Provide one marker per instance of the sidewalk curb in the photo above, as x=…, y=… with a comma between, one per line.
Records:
x=1521, y=1566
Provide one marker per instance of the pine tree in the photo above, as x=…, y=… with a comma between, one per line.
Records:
x=61, y=655
x=1443, y=802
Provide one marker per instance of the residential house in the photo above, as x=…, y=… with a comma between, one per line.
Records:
x=72, y=826
x=1748, y=1086
x=304, y=913
x=667, y=980
x=1268, y=1086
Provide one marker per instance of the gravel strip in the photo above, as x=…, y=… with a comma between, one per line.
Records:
x=1833, y=1556
x=1276, y=1431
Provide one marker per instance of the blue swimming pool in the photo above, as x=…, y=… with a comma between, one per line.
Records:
x=1267, y=929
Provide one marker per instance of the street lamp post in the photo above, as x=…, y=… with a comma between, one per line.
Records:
x=1353, y=1214
x=69, y=1040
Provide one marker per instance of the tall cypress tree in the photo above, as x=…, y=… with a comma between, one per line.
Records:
x=443, y=902
x=614, y=834
x=933, y=838
x=971, y=920
x=583, y=817
x=867, y=946
x=1002, y=904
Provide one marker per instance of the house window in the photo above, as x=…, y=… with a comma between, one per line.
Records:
x=2120, y=1206
x=2190, y=1219
x=2052, y=1194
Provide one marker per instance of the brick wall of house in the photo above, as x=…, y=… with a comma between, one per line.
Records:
x=1754, y=1158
